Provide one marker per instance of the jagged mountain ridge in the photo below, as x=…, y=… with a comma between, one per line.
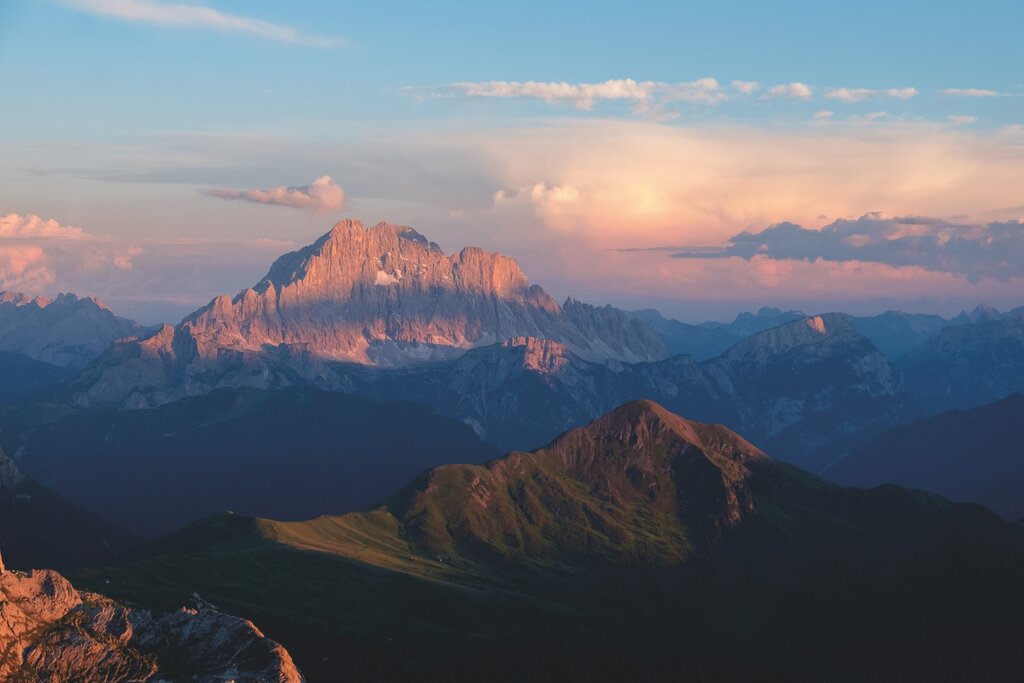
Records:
x=380, y=296
x=967, y=365
x=375, y=295
x=795, y=389
x=802, y=389
x=68, y=331
x=50, y=631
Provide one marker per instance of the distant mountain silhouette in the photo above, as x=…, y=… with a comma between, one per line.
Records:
x=974, y=455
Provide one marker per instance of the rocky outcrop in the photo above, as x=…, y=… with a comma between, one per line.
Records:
x=382, y=296
x=50, y=631
x=67, y=331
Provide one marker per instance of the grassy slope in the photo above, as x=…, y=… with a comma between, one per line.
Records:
x=607, y=556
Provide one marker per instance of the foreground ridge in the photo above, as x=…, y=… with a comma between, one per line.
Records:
x=50, y=631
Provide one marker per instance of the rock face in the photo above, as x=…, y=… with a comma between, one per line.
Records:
x=67, y=331
x=380, y=296
x=49, y=631
x=385, y=295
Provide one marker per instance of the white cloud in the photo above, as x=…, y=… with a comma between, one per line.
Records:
x=858, y=94
x=30, y=226
x=970, y=92
x=958, y=120
x=824, y=114
x=703, y=90
x=648, y=97
x=745, y=87
x=580, y=95
x=323, y=195
x=179, y=15
x=795, y=90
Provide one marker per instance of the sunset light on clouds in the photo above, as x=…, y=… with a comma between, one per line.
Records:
x=582, y=174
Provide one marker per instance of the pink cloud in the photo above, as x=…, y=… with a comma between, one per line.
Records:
x=322, y=196
x=17, y=226
x=24, y=268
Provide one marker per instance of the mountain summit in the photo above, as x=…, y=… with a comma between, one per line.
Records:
x=379, y=296
x=386, y=295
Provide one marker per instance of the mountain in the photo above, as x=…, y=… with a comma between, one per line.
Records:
x=980, y=313
x=806, y=389
x=967, y=365
x=51, y=632
x=290, y=453
x=381, y=296
x=40, y=528
x=68, y=331
x=974, y=455
x=748, y=323
x=679, y=338
x=640, y=546
x=896, y=332
x=809, y=388
x=23, y=376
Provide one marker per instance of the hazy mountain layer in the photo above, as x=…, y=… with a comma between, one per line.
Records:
x=291, y=453
x=40, y=529
x=67, y=331
x=974, y=455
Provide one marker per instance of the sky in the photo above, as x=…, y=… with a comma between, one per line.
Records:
x=700, y=158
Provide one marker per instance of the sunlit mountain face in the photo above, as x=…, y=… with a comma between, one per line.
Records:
x=547, y=342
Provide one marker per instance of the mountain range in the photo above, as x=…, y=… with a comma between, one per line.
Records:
x=643, y=544
x=66, y=332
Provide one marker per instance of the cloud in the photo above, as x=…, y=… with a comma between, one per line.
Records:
x=647, y=96
x=993, y=250
x=580, y=95
x=178, y=15
x=858, y=94
x=795, y=90
x=958, y=120
x=322, y=196
x=823, y=114
x=30, y=226
x=970, y=92
x=745, y=87
x=24, y=268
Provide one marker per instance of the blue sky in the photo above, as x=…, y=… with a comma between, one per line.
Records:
x=547, y=130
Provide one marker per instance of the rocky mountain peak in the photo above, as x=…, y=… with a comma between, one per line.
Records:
x=809, y=331
x=50, y=631
x=541, y=355
x=385, y=295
